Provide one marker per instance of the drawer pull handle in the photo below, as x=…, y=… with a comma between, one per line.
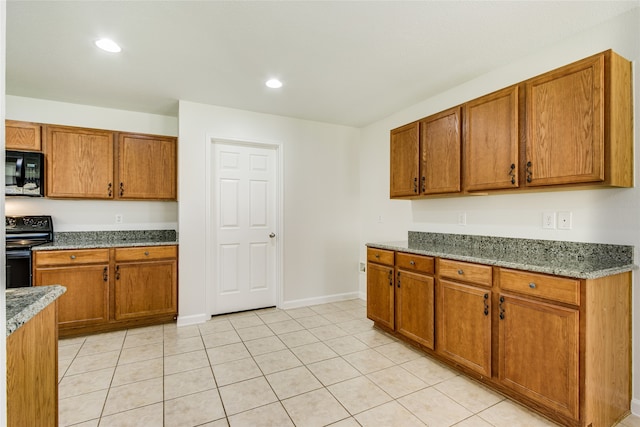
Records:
x=532, y=285
x=461, y=272
x=377, y=255
x=412, y=262
x=72, y=257
x=146, y=253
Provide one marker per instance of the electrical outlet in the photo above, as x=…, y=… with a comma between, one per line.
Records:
x=363, y=267
x=119, y=218
x=548, y=220
x=462, y=218
x=564, y=220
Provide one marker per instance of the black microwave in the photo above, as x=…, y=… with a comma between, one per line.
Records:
x=24, y=174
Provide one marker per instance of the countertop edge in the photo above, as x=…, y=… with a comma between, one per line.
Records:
x=101, y=245
x=33, y=307
x=556, y=271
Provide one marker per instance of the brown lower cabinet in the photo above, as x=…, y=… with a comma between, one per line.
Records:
x=110, y=289
x=561, y=346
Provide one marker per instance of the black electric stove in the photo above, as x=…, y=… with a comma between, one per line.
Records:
x=22, y=234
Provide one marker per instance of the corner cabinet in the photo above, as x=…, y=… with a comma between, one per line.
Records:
x=111, y=288
x=99, y=164
x=559, y=345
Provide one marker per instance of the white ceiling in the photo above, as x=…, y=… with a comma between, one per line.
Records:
x=344, y=62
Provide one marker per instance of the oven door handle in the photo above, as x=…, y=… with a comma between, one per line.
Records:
x=22, y=253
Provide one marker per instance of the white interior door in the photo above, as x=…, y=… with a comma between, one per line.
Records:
x=245, y=227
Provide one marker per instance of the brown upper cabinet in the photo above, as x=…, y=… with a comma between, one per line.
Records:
x=79, y=163
x=425, y=156
x=571, y=127
x=22, y=136
x=491, y=142
x=579, y=124
x=146, y=167
x=405, y=166
x=87, y=164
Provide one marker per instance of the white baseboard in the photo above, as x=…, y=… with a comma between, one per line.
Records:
x=194, y=319
x=362, y=295
x=287, y=305
x=635, y=407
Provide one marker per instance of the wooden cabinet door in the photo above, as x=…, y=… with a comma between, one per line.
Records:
x=22, y=136
x=491, y=141
x=145, y=289
x=380, y=294
x=405, y=146
x=86, y=300
x=464, y=319
x=146, y=167
x=440, y=153
x=565, y=125
x=79, y=163
x=539, y=352
x=414, y=307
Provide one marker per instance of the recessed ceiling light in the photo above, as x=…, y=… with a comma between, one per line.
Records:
x=274, y=83
x=108, y=45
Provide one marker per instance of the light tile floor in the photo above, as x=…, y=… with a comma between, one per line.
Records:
x=312, y=366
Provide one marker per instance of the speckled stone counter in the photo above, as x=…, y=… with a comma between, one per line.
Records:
x=570, y=259
x=24, y=303
x=109, y=239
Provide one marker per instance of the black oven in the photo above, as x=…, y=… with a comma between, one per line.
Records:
x=22, y=234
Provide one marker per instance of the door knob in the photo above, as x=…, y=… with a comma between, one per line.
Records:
x=272, y=235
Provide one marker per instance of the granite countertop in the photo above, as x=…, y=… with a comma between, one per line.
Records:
x=570, y=259
x=24, y=303
x=109, y=239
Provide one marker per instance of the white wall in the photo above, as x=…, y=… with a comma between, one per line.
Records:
x=602, y=216
x=321, y=219
x=85, y=215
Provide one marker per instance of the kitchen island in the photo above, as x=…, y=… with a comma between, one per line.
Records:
x=32, y=356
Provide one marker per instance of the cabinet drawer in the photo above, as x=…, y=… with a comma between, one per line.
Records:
x=553, y=288
x=421, y=263
x=465, y=271
x=144, y=253
x=380, y=256
x=71, y=257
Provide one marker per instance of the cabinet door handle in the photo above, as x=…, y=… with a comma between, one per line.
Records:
x=105, y=274
x=415, y=185
x=117, y=272
x=501, y=308
x=121, y=189
x=486, y=304
x=398, y=279
x=390, y=277
x=110, y=189
x=424, y=184
x=528, y=171
x=512, y=173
